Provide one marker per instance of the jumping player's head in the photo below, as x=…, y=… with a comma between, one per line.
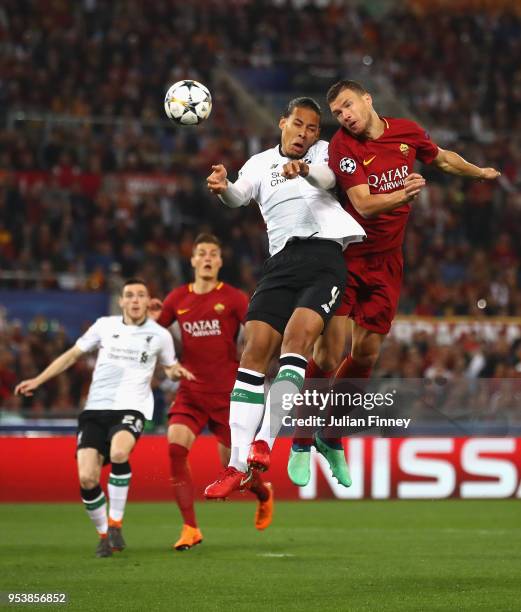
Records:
x=206, y=257
x=300, y=127
x=134, y=301
x=352, y=106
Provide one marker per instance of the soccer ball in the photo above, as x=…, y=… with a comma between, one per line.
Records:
x=188, y=103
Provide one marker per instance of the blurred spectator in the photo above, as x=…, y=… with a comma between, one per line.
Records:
x=454, y=368
x=77, y=219
x=120, y=192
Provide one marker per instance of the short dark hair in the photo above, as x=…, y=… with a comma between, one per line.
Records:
x=302, y=102
x=339, y=86
x=207, y=238
x=133, y=281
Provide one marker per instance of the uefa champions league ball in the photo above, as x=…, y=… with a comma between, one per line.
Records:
x=188, y=103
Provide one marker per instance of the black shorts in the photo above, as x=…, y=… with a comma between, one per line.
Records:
x=97, y=427
x=307, y=273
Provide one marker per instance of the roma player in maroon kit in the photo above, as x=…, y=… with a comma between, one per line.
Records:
x=373, y=159
x=209, y=313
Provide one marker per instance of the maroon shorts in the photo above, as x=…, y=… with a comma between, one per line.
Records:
x=373, y=290
x=196, y=410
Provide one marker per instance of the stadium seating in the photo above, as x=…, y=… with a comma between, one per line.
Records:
x=95, y=185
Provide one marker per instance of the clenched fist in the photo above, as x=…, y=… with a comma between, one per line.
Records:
x=294, y=168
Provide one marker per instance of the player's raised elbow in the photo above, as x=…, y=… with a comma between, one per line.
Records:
x=442, y=165
x=442, y=161
x=363, y=202
x=364, y=209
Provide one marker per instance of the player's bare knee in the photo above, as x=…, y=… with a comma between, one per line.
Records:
x=118, y=456
x=88, y=480
x=300, y=342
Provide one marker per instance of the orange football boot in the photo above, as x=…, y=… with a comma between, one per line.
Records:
x=264, y=512
x=190, y=536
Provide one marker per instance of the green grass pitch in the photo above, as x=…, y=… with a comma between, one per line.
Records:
x=329, y=555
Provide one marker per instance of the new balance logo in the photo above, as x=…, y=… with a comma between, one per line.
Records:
x=334, y=295
x=238, y=395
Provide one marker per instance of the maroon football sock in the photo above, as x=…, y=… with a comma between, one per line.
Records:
x=349, y=369
x=182, y=482
x=258, y=488
x=312, y=371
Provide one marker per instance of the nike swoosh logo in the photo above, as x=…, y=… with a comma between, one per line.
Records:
x=368, y=161
x=182, y=311
x=246, y=480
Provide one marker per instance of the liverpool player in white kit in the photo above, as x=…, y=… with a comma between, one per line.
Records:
x=301, y=286
x=120, y=399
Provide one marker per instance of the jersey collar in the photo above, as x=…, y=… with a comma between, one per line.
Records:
x=138, y=325
x=216, y=288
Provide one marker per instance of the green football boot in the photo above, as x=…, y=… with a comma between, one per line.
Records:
x=337, y=460
x=298, y=465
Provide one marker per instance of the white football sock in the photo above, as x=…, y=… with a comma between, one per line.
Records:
x=289, y=381
x=246, y=410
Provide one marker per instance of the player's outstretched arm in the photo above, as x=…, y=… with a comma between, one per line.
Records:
x=369, y=205
x=59, y=365
x=452, y=163
x=176, y=371
x=318, y=175
x=232, y=194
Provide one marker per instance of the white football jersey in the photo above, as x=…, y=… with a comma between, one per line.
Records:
x=126, y=361
x=293, y=208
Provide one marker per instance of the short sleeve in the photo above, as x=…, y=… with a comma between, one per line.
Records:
x=320, y=152
x=91, y=339
x=168, y=312
x=349, y=173
x=167, y=353
x=426, y=150
x=250, y=173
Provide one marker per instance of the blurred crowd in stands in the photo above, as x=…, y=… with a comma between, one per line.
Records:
x=85, y=202
x=25, y=353
x=469, y=357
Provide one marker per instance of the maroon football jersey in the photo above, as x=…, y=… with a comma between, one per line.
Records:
x=209, y=325
x=383, y=164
